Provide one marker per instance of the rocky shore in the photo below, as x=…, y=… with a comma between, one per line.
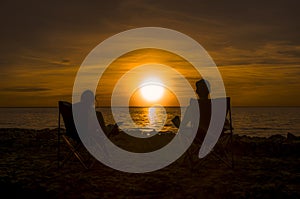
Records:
x=263, y=168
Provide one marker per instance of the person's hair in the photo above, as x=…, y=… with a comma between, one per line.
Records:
x=203, y=89
x=88, y=97
x=203, y=83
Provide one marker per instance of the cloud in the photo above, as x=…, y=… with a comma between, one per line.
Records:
x=53, y=29
x=25, y=89
x=262, y=85
x=267, y=53
x=44, y=43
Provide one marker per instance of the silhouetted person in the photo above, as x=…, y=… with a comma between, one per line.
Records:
x=91, y=135
x=203, y=89
x=85, y=108
x=204, y=104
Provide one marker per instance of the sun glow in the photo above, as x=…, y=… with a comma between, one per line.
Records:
x=152, y=92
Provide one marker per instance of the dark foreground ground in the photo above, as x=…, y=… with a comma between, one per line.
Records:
x=264, y=168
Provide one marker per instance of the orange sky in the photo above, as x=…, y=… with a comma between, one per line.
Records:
x=168, y=99
x=154, y=70
x=255, y=45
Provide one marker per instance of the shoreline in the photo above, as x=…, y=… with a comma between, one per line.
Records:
x=48, y=129
x=264, y=168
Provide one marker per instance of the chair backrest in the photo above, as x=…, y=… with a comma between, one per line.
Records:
x=65, y=110
x=228, y=114
x=205, y=116
x=205, y=112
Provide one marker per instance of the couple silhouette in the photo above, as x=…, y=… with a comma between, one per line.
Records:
x=200, y=122
x=87, y=105
x=89, y=119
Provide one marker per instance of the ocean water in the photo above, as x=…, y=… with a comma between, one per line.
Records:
x=252, y=121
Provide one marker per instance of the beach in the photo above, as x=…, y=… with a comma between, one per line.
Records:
x=170, y=99
x=264, y=167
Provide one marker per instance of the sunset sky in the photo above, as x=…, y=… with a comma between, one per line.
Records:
x=255, y=44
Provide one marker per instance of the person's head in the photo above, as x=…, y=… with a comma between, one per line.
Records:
x=88, y=98
x=203, y=88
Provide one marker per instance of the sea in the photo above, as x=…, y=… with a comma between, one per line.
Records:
x=250, y=121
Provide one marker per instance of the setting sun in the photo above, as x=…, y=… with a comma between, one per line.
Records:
x=152, y=92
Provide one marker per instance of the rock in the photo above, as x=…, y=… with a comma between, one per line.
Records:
x=292, y=137
x=276, y=138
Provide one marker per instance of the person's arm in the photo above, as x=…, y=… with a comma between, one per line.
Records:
x=189, y=114
x=176, y=121
x=101, y=121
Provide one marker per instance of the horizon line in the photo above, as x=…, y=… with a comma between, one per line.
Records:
x=239, y=106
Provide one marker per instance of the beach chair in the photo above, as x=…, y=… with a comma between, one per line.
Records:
x=222, y=151
x=69, y=137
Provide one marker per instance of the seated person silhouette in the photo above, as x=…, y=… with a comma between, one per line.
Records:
x=83, y=110
x=86, y=108
x=204, y=103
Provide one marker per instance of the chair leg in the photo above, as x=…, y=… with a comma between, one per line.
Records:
x=227, y=150
x=224, y=158
x=58, y=140
x=74, y=150
x=190, y=157
x=77, y=156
